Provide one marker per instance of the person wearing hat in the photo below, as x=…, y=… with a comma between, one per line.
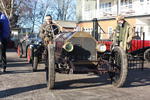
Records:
x=48, y=30
x=123, y=33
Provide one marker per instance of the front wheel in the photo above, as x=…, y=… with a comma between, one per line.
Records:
x=29, y=55
x=34, y=63
x=50, y=67
x=119, y=65
x=19, y=51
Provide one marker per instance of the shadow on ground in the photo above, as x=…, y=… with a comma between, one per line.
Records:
x=12, y=50
x=18, y=71
x=138, y=78
x=10, y=60
x=16, y=64
x=135, y=78
x=14, y=91
x=82, y=83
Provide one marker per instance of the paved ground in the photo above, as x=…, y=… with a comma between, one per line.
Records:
x=20, y=83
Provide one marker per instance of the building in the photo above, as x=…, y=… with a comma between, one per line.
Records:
x=20, y=31
x=135, y=11
x=66, y=26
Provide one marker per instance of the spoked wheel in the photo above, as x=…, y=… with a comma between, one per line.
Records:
x=29, y=55
x=147, y=55
x=119, y=67
x=50, y=67
x=19, y=51
x=34, y=62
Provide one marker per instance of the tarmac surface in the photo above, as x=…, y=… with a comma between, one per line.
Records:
x=20, y=83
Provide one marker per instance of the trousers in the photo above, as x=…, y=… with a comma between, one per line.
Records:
x=3, y=47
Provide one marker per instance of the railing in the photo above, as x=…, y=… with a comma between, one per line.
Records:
x=101, y=13
x=127, y=10
x=107, y=12
x=135, y=9
x=136, y=54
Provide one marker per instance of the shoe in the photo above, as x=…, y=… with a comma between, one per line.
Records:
x=3, y=70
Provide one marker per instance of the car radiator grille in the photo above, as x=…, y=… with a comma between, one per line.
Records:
x=84, y=48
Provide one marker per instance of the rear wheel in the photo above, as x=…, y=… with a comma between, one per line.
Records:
x=50, y=67
x=19, y=51
x=147, y=55
x=29, y=55
x=119, y=67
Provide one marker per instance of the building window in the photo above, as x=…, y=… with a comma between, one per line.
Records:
x=122, y=2
x=141, y=0
x=126, y=2
x=110, y=30
x=130, y=1
x=109, y=4
x=141, y=29
x=106, y=6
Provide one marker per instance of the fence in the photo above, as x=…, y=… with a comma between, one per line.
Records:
x=136, y=53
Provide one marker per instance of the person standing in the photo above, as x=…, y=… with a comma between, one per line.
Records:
x=4, y=36
x=124, y=33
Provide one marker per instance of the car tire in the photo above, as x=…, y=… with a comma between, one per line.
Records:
x=34, y=63
x=50, y=68
x=19, y=51
x=147, y=55
x=29, y=55
x=119, y=67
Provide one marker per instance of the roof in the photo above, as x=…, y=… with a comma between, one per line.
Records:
x=66, y=24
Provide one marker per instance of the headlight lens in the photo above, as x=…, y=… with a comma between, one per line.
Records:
x=31, y=46
x=37, y=42
x=101, y=47
x=68, y=47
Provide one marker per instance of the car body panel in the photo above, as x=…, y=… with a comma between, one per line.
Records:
x=25, y=42
x=82, y=42
x=136, y=45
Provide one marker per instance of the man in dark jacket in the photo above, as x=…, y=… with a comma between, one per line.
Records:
x=48, y=30
x=4, y=35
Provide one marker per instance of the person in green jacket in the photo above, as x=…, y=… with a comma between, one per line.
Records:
x=123, y=33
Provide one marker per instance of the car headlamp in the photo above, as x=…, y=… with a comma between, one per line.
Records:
x=37, y=42
x=31, y=46
x=101, y=47
x=68, y=47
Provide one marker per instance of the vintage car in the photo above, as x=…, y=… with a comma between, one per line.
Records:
x=37, y=53
x=78, y=49
x=138, y=47
x=24, y=47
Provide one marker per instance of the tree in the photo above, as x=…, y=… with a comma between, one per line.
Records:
x=34, y=16
x=13, y=9
x=7, y=7
x=63, y=9
x=30, y=13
